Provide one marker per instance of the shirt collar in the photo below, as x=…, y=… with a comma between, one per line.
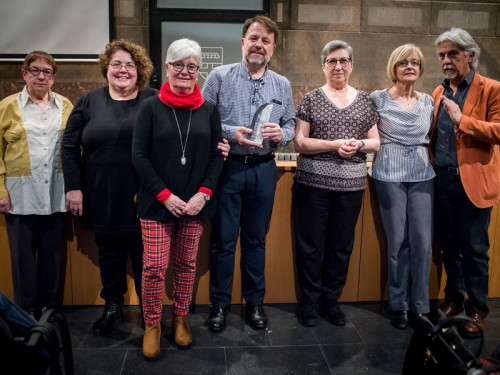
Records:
x=466, y=82
x=26, y=98
x=247, y=73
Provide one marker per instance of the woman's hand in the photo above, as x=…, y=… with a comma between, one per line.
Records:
x=224, y=147
x=349, y=148
x=74, y=202
x=5, y=205
x=175, y=205
x=195, y=205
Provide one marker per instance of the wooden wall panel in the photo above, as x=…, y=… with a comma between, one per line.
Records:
x=366, y=281
x=373, y=262
x=280, y=276
x=5, y=270
x=494, y=286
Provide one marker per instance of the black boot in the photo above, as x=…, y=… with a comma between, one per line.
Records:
x=112, y=313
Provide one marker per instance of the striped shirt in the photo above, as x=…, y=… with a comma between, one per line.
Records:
x=238, y=97
x=404, y=136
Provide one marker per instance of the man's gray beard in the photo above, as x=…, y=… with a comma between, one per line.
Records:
x=450, y=76
x=262, y=62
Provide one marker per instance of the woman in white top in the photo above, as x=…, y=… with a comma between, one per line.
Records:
x=404, y=183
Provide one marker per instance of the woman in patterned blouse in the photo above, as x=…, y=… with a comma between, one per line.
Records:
x=404, y=183
x=336, y=127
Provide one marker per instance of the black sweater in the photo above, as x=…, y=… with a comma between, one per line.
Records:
x=97, y=159
x=156, y=154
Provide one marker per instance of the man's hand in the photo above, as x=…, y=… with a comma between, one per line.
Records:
x=452, y=109
x=272, y=132
x=241, y=137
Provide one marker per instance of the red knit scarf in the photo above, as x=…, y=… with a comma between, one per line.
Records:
x=181, y=101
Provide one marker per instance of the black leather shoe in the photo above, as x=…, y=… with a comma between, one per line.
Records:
x=400, y=319
x=330, y=310
x=112, y=313
x=309, y=315
x=217, y=319
x=256, y=316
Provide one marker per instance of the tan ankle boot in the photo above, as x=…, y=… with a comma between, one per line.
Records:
x=151, y=341
x=183, y=337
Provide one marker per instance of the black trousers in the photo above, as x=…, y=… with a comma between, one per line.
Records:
x=463, y=232
x=114, y=250
x=324, y=227
x=36, y=249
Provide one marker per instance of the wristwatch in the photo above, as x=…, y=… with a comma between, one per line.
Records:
x=206, y=196
x=362, y=146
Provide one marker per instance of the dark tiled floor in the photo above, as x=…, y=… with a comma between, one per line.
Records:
x=367, y=344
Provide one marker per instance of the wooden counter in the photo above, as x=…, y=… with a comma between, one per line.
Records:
x=367, y=278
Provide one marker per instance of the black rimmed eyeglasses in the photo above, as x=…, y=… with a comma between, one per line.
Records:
x=179, y=66
x=35, y=72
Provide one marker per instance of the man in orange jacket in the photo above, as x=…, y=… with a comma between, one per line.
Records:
x=464, y=147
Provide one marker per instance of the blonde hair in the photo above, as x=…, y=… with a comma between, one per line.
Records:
x=401, y=53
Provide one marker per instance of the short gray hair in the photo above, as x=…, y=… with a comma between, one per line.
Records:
x=181, y=49
x=334, y=45
x=464, y=40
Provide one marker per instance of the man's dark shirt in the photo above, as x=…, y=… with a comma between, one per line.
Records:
x=445, y=154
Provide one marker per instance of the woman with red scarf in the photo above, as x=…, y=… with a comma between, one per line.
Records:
x=175, y=153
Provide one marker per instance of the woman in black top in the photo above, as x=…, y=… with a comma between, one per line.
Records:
x=175, y=154
x=100, y=180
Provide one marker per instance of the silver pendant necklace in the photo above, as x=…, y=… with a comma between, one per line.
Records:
x=183, y=145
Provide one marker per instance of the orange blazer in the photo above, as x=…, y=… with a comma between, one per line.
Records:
x=478, y=137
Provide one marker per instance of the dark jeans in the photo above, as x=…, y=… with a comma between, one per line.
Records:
x=114, y=249
x=463, y=232
x=324, y=227
x=245, y=200
x=36, y=249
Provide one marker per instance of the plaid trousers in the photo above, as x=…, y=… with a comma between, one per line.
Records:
x=181, y=237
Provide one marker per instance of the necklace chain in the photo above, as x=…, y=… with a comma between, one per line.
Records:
x=183, y=145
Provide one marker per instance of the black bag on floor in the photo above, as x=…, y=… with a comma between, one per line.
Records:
x=34, y=347
x=437, y=347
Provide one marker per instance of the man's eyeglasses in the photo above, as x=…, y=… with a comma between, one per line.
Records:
x=117, y=65
x=412, y=62
x=35, y=72
x=179, y=66
x=332, y=63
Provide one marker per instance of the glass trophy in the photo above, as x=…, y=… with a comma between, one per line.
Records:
x=267, y=112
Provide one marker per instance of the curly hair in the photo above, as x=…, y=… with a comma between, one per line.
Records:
x=35, y=55
x=139, y=56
